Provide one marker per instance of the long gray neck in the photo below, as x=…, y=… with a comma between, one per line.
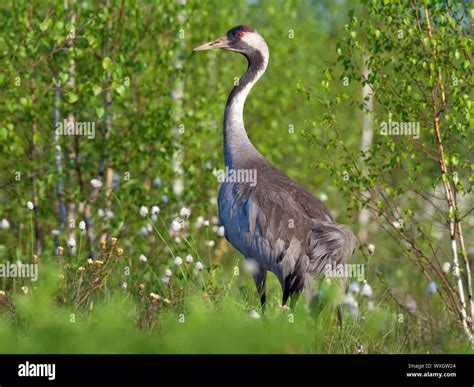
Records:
x=237, y=145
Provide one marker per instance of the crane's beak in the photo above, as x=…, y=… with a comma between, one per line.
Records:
x=222, y=42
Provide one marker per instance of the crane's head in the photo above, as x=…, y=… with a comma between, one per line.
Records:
x=243, y=39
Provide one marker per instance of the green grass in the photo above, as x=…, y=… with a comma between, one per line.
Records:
x=206, y=313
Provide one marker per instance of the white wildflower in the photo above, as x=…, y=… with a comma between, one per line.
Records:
x=189, y=258
x=185, y=212
x=143, y=258
x=199, y=266
x=178, y=187
x=221, y=231
x=366, y=290
x=354, y=287
x=371, y=248
x=157, y=182
x=251, y=266
x=155, y=210
x=199, y=221
x=432, y=287
x=348, y=299
x=254, y=315
x=178, y=261
x=96, y=183
x=354, y=310
x=143, y=211
x=210, y=243
x=446, y=267
x=176, y=225
x=143, y=231
x=71, y=242
x=5, y=224
x=168, y=273
x=398, y=224
x=82, y=225
x=30, y=205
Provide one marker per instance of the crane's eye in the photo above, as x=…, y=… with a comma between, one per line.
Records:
x=239, y=34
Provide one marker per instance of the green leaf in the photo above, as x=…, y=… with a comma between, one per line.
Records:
x=3, y=133
x=96, y=89
x=45, y=24
x=106, y=63
x=92, y=40
x=37, y=137
x=100, y=112
x=120, y=90
x=71, y=97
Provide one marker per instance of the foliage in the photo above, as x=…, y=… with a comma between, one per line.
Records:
x=127, y=67
x=417, y=186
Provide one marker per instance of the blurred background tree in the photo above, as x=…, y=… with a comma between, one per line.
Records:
x=415, y=59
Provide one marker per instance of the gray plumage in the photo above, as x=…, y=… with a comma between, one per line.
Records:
x=276, y=222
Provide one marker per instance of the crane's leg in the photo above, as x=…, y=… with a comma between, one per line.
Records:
x=261, y=283
x=292, y=288
x=293, y=298
x=286, y=295
x=340, y=317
